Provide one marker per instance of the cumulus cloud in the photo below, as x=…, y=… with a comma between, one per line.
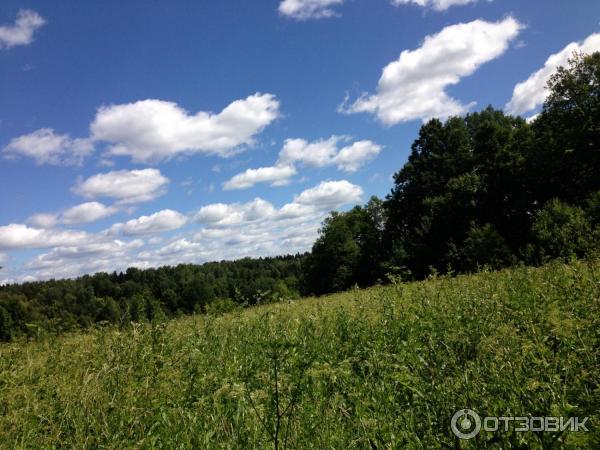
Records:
x=321, y=153
x=86, y=213
x=177, y=248
x=18, y=236
x=21, y=32
x=256, y=239
x=326, y=195
x=43, y=220
x=352, y=157
x=221, y=214
x=256, y=228
x=317, y=154
x=308, y=9
x=127, y=186
x=531, y=93
x=155, y=130
x=44, y=146
x=414, y=86
x=72, y=253
x=276, y=175
x=438, y=5
x=83, y=213
x=159, y=222
x=330, y=194
x=61, y=255
x=227, y=231
x=92, y=257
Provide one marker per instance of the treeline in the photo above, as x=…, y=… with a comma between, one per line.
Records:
x=140, y=295
x=483, y=190
x=487, y=189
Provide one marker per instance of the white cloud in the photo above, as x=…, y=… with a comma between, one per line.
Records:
x=72, y=261
x=21, y=32
x=317, y=154
x=159, y=222
x=326, y=195
x=127, y=186
x=227, y=231
x=414, y=86
x=325, y=152
x=308, y=9
x=72, y=253
x=178, y=247
x=62, y=254
x=321, y=153
x=221, y=214
x=276, y=175
x=531, y=93
x=266, y=238
x=351, y=157
x=438, y=5
x=532, y=119
x=43, y=220
x=295, y=210
x=16, y=236
x=86, y=213
x=46, y=147
x=256, y=228
x=83, y=213
x=155, y=130
x=330, y=194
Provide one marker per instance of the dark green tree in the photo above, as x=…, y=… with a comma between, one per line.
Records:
x=466, y=171
x=484, y=247
x=6, y=325
x=566, y=157
x=334, y=257
x=349, y=250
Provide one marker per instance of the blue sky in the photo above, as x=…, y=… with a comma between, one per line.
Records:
x=148, y=133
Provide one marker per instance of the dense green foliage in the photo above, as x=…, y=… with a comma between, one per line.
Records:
x=486, y=189
x=348, y=251
x=383, y=368
x=139, y=295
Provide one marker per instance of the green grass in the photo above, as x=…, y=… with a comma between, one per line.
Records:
x=381, y=368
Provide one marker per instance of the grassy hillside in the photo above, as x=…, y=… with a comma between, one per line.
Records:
x=380, y=368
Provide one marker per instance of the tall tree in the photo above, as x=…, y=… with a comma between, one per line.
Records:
x=349, y=250
x=461, y=174
x=567, y=150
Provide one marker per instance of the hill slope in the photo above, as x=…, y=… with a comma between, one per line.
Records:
x=380, y=368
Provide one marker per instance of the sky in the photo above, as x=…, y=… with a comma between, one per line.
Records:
x=150, y=133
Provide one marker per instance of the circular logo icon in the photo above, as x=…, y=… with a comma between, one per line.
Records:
x=465, y=424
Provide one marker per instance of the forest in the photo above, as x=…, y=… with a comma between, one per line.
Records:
x=485, y=190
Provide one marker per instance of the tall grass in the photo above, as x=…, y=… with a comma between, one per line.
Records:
x=380, y=368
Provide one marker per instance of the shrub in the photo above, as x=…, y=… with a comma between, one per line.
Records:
x=484, y=246
x=222, y=306
x=560, y=231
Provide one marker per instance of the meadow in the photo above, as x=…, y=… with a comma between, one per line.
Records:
x=381, y=368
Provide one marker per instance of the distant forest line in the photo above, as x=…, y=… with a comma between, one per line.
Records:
x=483, y=190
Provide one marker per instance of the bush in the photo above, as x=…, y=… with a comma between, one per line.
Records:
x=560, y=231
x=484, y=246
x=5, y=325
x=222, y=306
